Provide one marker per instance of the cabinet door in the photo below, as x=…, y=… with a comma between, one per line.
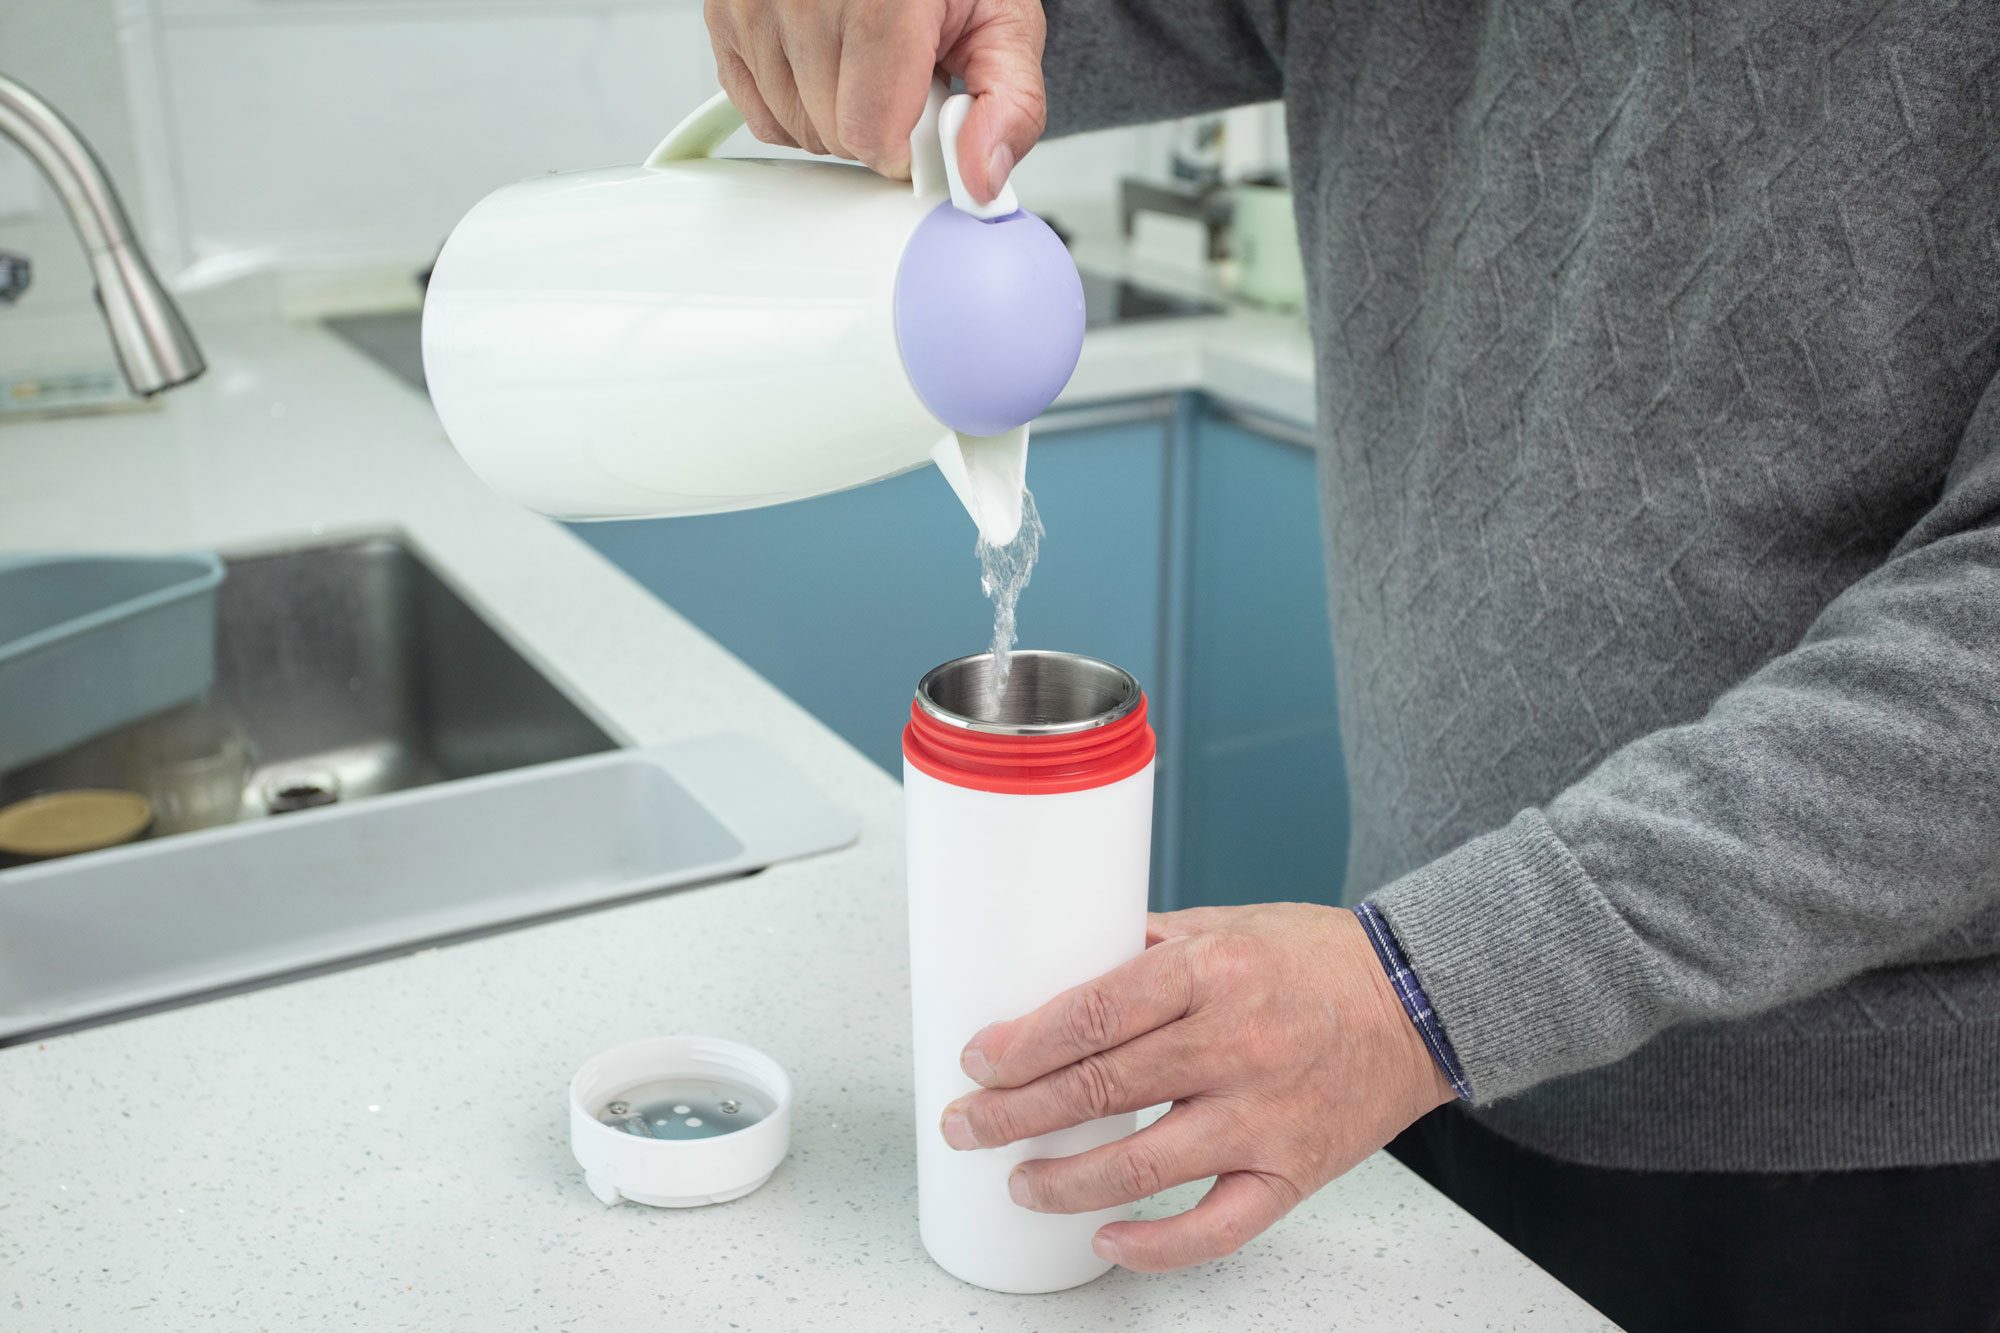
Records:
x=1263, y=809
x=844, y=600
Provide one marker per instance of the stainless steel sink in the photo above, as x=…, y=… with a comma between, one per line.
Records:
x=472, y=795
x=352, y=669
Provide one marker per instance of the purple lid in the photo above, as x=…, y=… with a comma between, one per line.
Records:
x=989, y=318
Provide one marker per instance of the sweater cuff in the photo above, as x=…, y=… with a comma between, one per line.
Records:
x=1526, y=964
x=1410, y=991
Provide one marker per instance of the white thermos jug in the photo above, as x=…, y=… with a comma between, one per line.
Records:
x=1030, y=831
x=698, y=333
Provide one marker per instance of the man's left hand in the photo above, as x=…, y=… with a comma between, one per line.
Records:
x=1274, y=1032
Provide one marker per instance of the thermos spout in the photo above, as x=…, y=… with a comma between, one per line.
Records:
x=988, y=473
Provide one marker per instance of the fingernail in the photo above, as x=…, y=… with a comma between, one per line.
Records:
x=998, y=163
x=1104, y=1248
x=1017, y=1187
x=973, y=1060
x=957, y=1129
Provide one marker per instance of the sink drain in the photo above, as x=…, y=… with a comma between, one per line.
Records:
x=300, y=791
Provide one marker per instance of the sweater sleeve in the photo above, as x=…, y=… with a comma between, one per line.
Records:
x=1123, y=62
x=1833, y=813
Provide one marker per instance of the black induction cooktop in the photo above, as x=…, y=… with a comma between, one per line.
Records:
x=1109, y=301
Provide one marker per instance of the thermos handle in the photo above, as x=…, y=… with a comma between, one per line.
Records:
x=700, y=134
x=933, y=147
x=950, y=120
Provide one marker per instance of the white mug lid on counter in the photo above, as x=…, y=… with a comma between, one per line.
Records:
x=680, y=1121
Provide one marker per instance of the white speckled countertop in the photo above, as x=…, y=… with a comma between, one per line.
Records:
x=386, y=1148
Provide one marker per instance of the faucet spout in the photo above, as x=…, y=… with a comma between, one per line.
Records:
x=155, y=347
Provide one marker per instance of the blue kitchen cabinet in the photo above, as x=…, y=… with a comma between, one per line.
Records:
x=844, y=600
x=1262, y=803
x=1183, y=544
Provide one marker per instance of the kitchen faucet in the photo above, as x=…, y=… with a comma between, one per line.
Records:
x=155, y=348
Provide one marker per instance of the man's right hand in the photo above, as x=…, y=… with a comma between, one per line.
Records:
x=849, y=77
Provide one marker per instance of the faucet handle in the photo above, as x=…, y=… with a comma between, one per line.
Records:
x=16, y=276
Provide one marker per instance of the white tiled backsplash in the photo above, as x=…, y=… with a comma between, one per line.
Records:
x=325, y=139
x=317, y=133
x=20, y=197
x=306, y=131
x=68, y=51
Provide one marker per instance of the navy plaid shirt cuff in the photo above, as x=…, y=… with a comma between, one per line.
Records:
x=1411, y=991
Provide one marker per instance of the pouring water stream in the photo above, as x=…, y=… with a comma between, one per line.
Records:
x=1003, y=572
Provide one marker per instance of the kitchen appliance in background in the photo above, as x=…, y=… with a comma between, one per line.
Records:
x=1029, y=824
x=1227, y=180
x=698, y=334
x=1264, y=239
x=1193, y=189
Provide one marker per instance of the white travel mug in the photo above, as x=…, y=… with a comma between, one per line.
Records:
x=1030, y=831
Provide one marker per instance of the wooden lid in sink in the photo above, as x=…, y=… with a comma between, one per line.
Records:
x=62, y=823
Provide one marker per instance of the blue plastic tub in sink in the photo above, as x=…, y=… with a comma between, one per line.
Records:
x=89, y=643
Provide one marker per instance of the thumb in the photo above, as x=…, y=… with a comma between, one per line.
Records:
x=1000, y=58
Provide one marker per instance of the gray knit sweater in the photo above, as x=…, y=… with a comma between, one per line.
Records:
x=1657, y=347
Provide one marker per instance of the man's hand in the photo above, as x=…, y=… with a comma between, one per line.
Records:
x=1272, y=1029
x=849, y=77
